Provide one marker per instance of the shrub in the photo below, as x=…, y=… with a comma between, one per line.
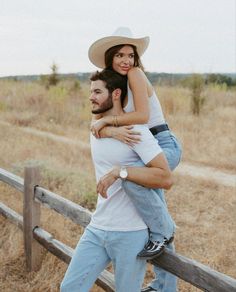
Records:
x=196, y=83
x=52, y=79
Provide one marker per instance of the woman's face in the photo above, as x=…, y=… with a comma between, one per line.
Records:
x=123, y=60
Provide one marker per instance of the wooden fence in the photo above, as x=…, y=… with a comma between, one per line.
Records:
x=36, y=238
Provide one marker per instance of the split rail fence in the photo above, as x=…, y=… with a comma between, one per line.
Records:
x=35, y=237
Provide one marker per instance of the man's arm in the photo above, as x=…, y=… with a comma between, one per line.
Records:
x=156, y=174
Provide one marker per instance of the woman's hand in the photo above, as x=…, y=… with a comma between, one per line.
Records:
x=97, y=126
x=107, y=180
x=126, y=135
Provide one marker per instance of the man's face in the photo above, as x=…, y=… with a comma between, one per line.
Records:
x=100, y=98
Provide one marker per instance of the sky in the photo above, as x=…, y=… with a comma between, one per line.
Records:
x=186, y=36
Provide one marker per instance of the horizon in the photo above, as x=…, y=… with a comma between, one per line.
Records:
x=153, y=72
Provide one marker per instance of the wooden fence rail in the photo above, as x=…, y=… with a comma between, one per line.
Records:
x=189, y=270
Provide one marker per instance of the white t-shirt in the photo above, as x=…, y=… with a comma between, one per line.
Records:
x=117, y=212
x=156, y=116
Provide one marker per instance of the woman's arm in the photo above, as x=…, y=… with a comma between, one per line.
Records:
x=139, y=87
x=124, y=134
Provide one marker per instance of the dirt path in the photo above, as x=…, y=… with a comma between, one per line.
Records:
x=207, y=173
x=202, y=172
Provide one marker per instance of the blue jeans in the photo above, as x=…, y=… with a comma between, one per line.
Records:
x=96, y=249
x=164, y=281
x=152, y=207
x=151, y=204
x=171, y=148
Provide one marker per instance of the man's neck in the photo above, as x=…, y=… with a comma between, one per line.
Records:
x=115, y=111
x=112, y=113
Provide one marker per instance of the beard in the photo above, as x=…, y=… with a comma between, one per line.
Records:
x=105, y=106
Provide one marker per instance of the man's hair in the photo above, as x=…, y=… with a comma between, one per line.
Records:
x=110, y=53
x=112, y=80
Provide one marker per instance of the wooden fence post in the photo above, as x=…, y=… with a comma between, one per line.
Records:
x=31, y=219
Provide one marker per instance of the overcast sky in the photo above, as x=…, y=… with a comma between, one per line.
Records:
x=186, y=35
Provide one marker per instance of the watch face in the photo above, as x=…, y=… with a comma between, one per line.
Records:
x=123, y=173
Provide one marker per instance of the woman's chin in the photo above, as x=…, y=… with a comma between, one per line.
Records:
x=123, y=72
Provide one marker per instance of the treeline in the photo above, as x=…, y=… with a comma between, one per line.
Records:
x=228, y=80
x=169, y=79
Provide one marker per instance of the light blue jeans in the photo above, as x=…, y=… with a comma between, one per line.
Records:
x=164, y=281
x=150, y=203
x=96, y=249
x=152, y=207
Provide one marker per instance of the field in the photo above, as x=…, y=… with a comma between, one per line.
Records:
x=204, y=211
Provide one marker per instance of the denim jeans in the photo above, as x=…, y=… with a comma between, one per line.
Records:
x=171, y=148
x=96, y=249
x=151, y=204
x=164, y=281
x=152, y=207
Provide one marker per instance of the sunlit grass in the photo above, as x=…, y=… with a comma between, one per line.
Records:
x=201, y=209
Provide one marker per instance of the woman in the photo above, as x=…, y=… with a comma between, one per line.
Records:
x=120, y=52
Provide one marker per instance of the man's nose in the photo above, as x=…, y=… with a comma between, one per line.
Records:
x=91, y=97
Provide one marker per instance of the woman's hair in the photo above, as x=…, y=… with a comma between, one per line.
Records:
x=110, y=53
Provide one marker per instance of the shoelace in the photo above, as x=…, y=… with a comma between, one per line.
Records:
x=158, y=245
x=155, y=245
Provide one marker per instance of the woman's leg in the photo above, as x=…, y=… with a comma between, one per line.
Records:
x=171, y=148
x=153, y=210
x=164, y=281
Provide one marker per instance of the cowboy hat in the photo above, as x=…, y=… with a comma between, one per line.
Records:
x=121, y=36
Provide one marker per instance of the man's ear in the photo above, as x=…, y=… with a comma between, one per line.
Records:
x=116, y=93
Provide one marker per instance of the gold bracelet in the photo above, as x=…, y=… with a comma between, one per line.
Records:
x=114, y=121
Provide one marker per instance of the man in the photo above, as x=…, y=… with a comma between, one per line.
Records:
x=116, y=232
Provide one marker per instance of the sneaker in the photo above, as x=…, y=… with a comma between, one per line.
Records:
x=154, y=249
x=170, y=240
x=148, y=289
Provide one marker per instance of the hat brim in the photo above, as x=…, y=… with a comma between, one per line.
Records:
x=97, y=50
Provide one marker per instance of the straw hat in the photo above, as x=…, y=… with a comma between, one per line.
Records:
x=121, y=36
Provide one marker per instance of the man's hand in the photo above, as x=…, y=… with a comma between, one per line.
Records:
x=107, y=180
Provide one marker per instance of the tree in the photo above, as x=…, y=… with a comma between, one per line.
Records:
x=220, y=79
x=197, y=85
x=53, y=78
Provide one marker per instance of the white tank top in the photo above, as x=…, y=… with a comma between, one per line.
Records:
x=156, y=116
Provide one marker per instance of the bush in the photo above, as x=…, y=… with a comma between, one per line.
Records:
x=52, y=79
x=196, y=83
x=220, y=79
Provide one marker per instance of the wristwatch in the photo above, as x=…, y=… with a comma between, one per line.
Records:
x=123, y=173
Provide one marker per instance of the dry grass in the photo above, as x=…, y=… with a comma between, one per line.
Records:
x=203, y=211
x=208, y=139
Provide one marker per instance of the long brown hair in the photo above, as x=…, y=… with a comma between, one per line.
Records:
x=110, y=53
